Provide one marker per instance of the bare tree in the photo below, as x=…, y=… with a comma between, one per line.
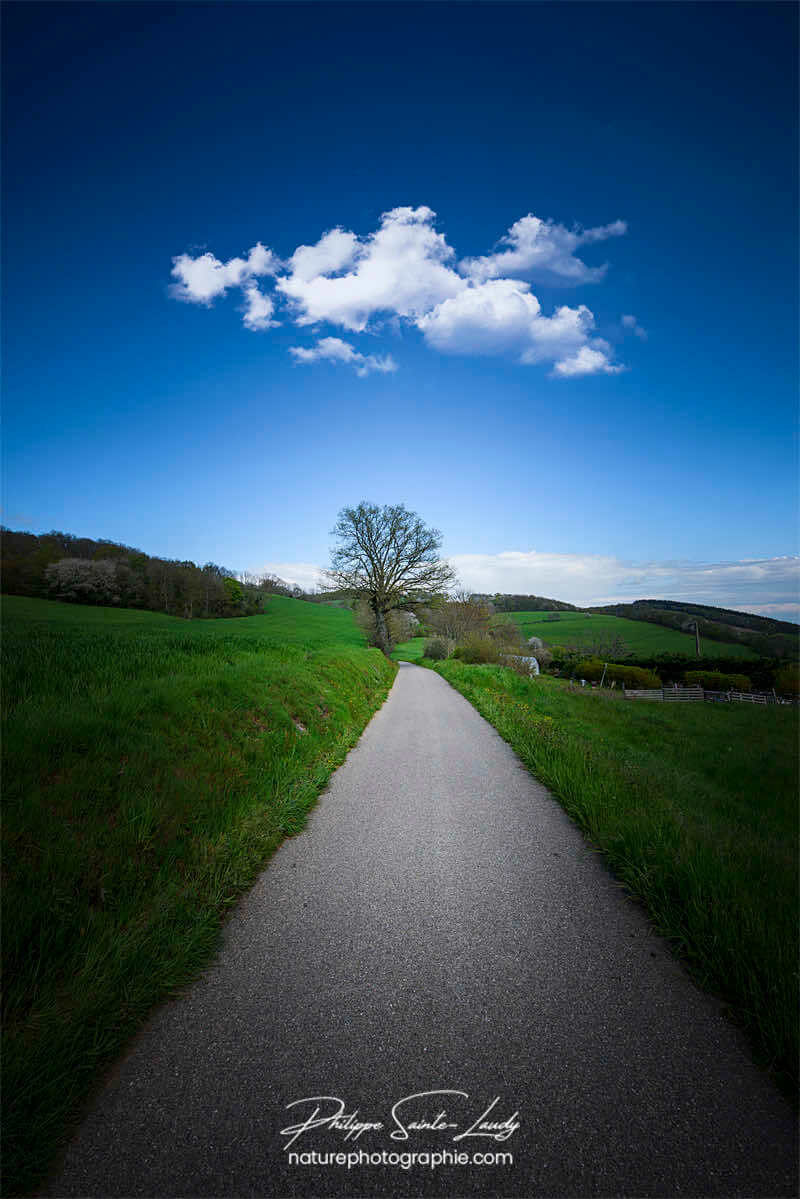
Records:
x=389, y=558
x=459, y=616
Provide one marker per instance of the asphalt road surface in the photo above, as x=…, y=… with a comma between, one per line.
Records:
x=440, y=926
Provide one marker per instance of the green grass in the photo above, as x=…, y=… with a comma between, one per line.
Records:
x=151, y=766
x=582, y=629
x=695, y=809
x=409, y=651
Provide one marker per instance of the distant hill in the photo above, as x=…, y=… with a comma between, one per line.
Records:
x=768, y=637
x=525, y=603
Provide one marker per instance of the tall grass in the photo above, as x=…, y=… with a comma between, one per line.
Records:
x=695, y=810
x=150, y=769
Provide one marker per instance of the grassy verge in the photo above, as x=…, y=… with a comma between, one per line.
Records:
x=409, y=651
x=151, y=768
x=695, y=810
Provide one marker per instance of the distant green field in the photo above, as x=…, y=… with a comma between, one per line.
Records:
x=287, y=621
x=582, y=629
x=150, y=767
x=67, y=650
x=409, y=651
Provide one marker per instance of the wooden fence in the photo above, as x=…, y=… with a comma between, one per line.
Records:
x=697, y=694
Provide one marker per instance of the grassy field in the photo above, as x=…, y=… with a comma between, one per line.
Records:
x=695, y=808
x=151, y=766
x=409, y=651
x=582, y=629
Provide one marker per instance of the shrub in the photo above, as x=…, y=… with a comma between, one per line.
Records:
x=437, y=649
x=631, y=676
x=476, y=649
x=760, y=672
x=589, y=668
x=787, y=680
x=716, y=680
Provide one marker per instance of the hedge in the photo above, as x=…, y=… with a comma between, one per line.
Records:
x=715, y=680
x=630, y=676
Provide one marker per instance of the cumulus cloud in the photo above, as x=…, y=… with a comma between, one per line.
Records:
x=333, y=252
x=400, y=269
x=543, y=250
x=333, y=349
x=588, y=360
x=488, y=319
x=501, y=316
x=404, y=274
x=202, y=279
x=258, y=309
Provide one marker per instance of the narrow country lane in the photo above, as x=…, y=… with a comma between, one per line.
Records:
x=440, y=925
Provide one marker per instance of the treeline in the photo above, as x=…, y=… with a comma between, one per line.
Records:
x=80, y=570
x=524, y=603
x=763, y=673
x=767, y=637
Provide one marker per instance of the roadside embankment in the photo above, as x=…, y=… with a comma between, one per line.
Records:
x=695, y=809
x=147, y=780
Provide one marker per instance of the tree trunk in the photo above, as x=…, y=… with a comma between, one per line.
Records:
x=381, y=630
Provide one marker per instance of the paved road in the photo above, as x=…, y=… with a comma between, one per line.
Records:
x=439, y=926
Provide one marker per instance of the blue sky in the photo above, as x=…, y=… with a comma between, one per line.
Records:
x=548, y=298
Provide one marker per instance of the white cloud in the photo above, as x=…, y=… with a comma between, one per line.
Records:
x=769, y=584
x=333, y=349
x=491, y=318
x=404, y=274
x=542, y=250
x=258, y=309
x=204, y=278
x=501, y=316
x=587, y=360
x=630, y=322
x=298, y=574
x=778, y=611
x=400, y=269
x=333, y=252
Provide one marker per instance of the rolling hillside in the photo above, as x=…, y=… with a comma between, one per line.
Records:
x=584, y=631
x=766, y=636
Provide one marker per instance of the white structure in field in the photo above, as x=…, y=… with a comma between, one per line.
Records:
x=532, y=663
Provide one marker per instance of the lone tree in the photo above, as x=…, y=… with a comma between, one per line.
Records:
x=389, y=558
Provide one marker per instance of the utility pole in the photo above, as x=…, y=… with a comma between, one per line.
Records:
x=697, y=638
